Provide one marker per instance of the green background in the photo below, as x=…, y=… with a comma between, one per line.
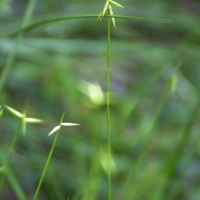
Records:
x=61, y=67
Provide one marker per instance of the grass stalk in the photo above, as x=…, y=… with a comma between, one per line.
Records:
x=9, y=155
x=108, y=111
x=11, y=56
x=48, y=160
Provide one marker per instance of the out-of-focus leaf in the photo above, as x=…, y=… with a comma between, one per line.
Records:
x=1, y=111
x=104, y=159
x=69, y=124
x=1, y=169
x=93, y=91
x=33, y=120
x=116, y=4
x=173, y=84
x=13, y=111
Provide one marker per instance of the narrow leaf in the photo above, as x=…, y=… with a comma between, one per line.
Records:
x=33, y=120
x=100, y=15
x=105, y=8
x=18, y=114
x=55, y=19
x=54, y=130
x=116, y=4
x=111, y=12
x=69, y=124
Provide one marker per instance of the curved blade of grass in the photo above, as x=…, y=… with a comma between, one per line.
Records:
x=10, y=153
x=9, y=173
x=14, y=182
x=179, y=184
x=9, y=61
x=56, y=19
x=174, y=160
x=149, y=133
x=48, y=159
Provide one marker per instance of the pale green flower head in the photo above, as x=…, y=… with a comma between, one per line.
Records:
x=108, y=7
x=23, y=117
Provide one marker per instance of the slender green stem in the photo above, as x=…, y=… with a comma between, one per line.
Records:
x=108, y=112
x=9, y=155
x=48, y=160
x=9, y=62
x=13, y=182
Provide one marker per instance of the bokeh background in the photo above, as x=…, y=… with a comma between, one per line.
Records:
x=61, y=67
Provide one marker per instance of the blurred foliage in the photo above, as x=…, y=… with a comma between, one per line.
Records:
x=62, y=67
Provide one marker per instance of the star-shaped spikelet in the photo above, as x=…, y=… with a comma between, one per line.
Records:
x=108, y=7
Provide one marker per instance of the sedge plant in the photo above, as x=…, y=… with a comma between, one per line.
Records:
x=106, y=12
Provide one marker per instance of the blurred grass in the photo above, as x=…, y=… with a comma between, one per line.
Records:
x=52, y=63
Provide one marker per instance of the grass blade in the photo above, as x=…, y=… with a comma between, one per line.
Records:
x=174, y=160
x=14, y=182
x=56, y=19
x=149, y=133
x=9, y=62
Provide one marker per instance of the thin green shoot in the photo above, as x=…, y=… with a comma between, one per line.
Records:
x=57, y=128
x=14, y=183
x=174, y=160
x=108, y=112
x=10, y=60
x=149, y=133
x=10, y=154
x=48, y=160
